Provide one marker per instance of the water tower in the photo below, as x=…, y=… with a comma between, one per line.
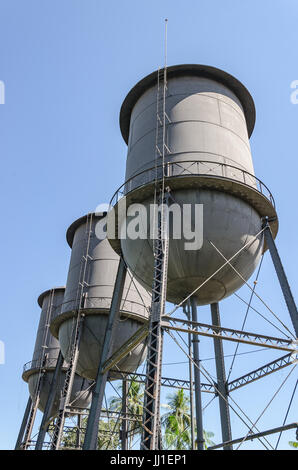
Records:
x=82, y=323
x=187, y=128
x=40, y=371
x=209, y=117
x=99, y=280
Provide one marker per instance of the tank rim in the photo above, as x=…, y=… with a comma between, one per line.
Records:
x=201, y=70
x=70, y=233
x=35, y=370
x=47, y=292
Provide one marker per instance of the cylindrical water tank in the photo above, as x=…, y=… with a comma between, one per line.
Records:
x=92, y=254
x=45, y=356
x=209, y=117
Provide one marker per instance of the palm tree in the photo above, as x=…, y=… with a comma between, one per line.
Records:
x=135, y=399
x=177, y=421
x=207, y=439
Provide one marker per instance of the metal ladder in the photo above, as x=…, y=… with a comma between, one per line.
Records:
x=76, y=337
x=151, y=436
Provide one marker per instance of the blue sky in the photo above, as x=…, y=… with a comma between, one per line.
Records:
x=67, y=67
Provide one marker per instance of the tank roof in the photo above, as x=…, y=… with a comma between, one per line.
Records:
x=189, y=69
x=46, y=292
x=77, y=223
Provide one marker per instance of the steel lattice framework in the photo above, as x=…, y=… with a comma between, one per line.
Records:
x=261, y=372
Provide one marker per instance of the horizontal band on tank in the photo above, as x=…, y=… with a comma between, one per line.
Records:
x=57, y=322
x=33, y=367
x=77, y=223
x=202, y=122
x=104, y=303
x=265, y=206
x=47, y=292
x=198, y=70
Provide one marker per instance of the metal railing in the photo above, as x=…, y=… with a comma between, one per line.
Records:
x=192, y=168
x=37, y=364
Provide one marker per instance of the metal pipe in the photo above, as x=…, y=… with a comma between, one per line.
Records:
x=197, y=377
x=221, y=381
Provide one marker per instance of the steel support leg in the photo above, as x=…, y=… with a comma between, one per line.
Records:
x=24, y=424
x=197, y=377
x=49, y=404
x=124, y=424
x=91, y=437
x=222, y=385
x=284, y=284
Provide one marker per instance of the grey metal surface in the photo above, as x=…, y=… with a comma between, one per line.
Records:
x=47, y=346
x=102, y=265
x=209, y=113
x=222, y=385
x=205, y=71
x=207, y=122
x=229, y=223
x=80, y=396
x=50, y=303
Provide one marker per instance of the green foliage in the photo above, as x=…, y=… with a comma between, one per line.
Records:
x=135, y=400
x=294, y=444
x=176, y=422
x=207, y=438
x=108, y=435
